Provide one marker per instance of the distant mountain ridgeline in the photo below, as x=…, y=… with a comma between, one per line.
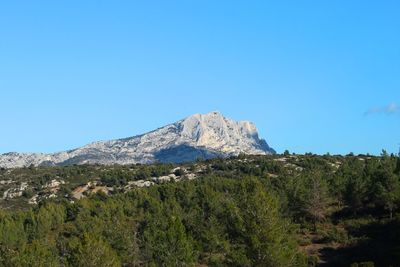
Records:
x=199, y=136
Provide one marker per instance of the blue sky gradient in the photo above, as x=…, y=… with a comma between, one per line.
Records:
x=315, y=76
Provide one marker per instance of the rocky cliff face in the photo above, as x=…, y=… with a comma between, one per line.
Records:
x=206, y=136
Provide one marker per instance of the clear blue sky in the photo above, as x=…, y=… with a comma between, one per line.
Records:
x=314, y=76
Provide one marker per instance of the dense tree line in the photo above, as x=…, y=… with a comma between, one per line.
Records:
x=246, y=211
x=233, y=222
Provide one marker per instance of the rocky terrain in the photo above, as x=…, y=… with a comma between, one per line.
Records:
x=23, y=187
x=198, y=136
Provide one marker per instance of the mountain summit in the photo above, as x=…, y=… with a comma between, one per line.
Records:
x=198, y=136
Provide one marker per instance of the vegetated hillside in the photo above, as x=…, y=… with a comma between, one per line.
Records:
x=282, y=210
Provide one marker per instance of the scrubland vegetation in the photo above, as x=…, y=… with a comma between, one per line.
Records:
x=283, y=210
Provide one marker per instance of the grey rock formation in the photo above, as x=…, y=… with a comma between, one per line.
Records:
x=198, y=136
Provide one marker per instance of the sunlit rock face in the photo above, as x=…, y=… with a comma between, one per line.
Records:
x=198, y=136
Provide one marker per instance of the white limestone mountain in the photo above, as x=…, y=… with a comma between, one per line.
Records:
x=198, y=136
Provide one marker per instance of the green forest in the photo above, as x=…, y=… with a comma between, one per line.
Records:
x=281, y=210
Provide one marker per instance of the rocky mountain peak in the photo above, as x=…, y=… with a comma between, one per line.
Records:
x=200, y=135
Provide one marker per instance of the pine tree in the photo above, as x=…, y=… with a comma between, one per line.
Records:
x=272, y=244
x=385, y=189
x=167, y=244
x=95, y=252
x=397, y=169
x=317, y=198
x=37, y=254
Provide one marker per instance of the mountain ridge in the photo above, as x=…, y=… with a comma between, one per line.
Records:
x=198, y=136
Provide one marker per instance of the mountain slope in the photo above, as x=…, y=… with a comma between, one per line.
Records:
x=206, y=136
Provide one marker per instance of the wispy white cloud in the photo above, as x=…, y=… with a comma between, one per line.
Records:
x=390, y=109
